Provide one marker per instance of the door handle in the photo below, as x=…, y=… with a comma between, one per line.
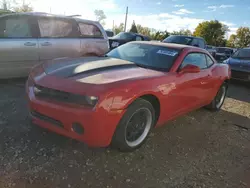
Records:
x=46, y=44
x=29, y=44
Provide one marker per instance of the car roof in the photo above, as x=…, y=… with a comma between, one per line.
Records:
x=136, y=34
x=188, y=36
x=169, y=45
x=224, y=47
x=44, y=14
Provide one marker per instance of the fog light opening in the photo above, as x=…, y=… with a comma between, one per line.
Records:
x=77, y=128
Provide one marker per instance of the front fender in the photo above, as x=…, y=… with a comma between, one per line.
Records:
x=123, y=99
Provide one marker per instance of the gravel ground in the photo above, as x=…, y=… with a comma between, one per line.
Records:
x=201, y=149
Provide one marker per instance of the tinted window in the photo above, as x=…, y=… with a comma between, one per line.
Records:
x=15, y=27
x=124, y=36
x=224, y=50
x=55, y=28
x=210, y=62
x=146, y=55
x=146, y=38
x=195, y=42
x=110, y=33
x=242, y=54
x=89, y=30
x=178, y=40
x=138, y=38
x=197, y=59
x=201, y=43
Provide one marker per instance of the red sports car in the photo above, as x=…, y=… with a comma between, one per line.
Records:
x=117, y=99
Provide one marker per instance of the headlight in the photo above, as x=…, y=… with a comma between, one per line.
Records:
x=91, y=100
x=56, y=95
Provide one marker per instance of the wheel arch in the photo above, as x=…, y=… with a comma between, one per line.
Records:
x=153, y=99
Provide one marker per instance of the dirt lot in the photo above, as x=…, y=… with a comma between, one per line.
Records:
x=201, y=149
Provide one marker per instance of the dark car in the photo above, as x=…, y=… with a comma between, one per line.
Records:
x=223, y=53
x=240, y=64
x=124, y=37
x=187, y=40
x=211, y=50
x=109, y=33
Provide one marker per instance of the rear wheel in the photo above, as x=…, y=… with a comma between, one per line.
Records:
x=219, y=99
x=134, y=127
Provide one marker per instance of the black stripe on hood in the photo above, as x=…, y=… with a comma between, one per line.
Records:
x=72, y=68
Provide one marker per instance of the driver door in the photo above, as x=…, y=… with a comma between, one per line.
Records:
x=192, y=88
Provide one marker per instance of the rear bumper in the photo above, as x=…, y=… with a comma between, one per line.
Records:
x=98, y=124
x=240, y=75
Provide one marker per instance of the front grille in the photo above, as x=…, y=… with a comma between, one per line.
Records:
x=240, y=75
x=46, y=118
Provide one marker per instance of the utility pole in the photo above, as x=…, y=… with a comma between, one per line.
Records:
x=113, y=25
x=5, y=5
x=126, y=19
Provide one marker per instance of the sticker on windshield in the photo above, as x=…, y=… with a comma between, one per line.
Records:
x=167, y=52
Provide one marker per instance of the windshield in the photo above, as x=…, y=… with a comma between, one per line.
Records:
x=146, y=55
x=242, y=54
x=178, y=40
x=224, y=50
x=110, y=33
x=124, y=36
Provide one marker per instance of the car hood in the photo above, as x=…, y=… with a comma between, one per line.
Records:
x=97, y=70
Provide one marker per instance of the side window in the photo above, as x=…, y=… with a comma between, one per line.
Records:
x=90, y=31
x=210, y=62
x=15, y=27
x=195, y=42
x=201, y=44
x=197, y=59
x=55, y=28
x=138, y=38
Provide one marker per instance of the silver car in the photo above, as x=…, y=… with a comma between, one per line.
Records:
x=27, y=39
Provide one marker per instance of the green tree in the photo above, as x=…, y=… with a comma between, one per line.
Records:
x=119, y=28
x=100, y=16
x=212, y=31
x=186, y=32
x=23, y=8
x=2, y=11
x=143, y=30
x=232, y=41
x=133, y=28
x=159, y=35
x=17, y=6
x=243, y=37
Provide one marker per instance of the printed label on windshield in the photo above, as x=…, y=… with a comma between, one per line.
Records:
x=167, y=52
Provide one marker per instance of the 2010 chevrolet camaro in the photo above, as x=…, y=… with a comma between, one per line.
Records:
x=119, y=98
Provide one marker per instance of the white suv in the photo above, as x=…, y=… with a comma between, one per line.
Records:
x=27, y=39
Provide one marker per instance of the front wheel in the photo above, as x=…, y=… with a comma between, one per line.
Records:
x=134, y=127
x=219, y=99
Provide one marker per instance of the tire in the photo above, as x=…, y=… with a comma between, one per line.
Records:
x=219, y=99
x=122, y=139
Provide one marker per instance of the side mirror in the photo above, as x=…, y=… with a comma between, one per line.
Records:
x=190, y=69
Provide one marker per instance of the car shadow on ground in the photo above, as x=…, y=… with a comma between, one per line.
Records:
x=239, y=91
